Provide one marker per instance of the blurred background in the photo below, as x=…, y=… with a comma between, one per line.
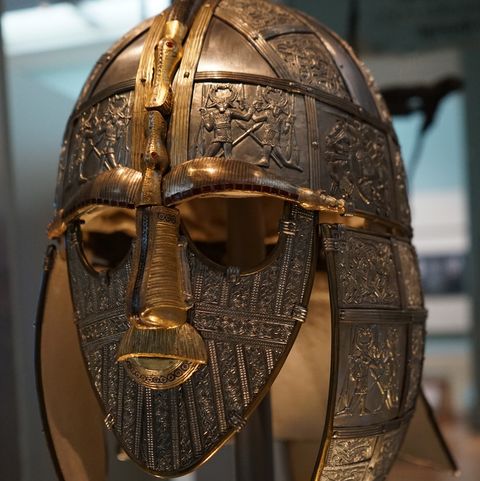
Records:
x=424, y=56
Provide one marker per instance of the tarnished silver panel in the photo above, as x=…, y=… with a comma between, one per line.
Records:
x=416, y=348
x=357, y=164
x=123, y=70
x=362, y=459
x=251, y=123
x=366, y=272
x=98, y=141
x=242, y=56
x=262, y=17
x=292, y=52
x=410, y=275
x=371, y=374
x=309, y=62
x=379, y=332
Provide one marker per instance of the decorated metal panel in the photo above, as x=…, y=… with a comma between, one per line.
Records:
x=309, y=62
x=257, y=124
x=341, y=154
x=98, y=141
x=356, y=163
x=248, y=322
x=412, y=289
x=416, y=347
x=291, y=48
x=362, y=458
x=263, y=17
x=371, y=375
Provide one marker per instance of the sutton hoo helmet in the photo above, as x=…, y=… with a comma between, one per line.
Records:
x=222, y=159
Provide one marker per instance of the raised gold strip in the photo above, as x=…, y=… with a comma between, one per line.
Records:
x=257, y=41
x=372, y=430
x=144, y=77
x=106, y=60
x=183, y=84
x=313, y=142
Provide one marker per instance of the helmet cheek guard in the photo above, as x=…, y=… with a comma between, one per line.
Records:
x=232, y=185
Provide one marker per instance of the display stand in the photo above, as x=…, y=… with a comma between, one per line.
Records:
x=246, y=248
x=254, y=446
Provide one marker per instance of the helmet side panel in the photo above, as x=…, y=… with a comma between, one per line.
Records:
x=378, y=343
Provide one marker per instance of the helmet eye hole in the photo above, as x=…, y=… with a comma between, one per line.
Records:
x=107, y=234
x=241, y=232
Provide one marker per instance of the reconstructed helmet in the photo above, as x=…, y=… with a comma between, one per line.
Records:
x=222, y=159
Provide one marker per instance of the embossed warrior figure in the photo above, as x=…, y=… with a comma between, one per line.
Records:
x=272, y=110
x=364, y=368
x=112, y=129
x=224, y=220
x=218, y=115
x=83, y=142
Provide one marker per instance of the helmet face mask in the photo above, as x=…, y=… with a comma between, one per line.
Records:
x=194, y=228
x=248, y=320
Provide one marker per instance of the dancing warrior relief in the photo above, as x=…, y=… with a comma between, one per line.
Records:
x=372, y=381
x=100, y=138
x=228, y=120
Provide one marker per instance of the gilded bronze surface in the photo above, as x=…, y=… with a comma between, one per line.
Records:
x=241, y=99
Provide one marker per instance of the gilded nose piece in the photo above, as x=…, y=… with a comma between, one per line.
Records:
x=160, y=348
